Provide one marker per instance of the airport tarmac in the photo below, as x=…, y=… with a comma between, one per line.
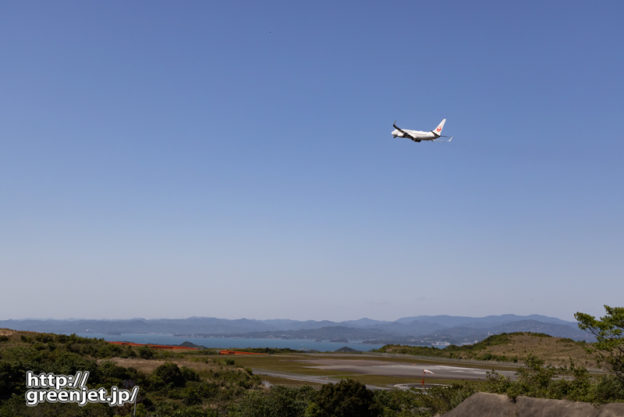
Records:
x=377, y=367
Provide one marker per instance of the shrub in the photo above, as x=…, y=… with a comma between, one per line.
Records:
x=348, y=398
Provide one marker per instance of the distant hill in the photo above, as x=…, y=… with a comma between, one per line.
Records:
x=418, y=330
x=513, y=347
x=347, y=349
x=192, y=345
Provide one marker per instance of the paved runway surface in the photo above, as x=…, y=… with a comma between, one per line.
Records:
x=376, y=367
x=380, y=367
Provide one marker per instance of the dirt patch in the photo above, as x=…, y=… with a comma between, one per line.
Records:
x=148, y=365
x=7, y=332
x=143, y=365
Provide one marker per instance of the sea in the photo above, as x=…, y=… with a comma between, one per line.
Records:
x=232, y=342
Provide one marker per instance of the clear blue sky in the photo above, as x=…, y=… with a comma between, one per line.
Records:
x=234, y=159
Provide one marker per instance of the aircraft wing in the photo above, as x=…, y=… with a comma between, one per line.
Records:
x=404, y=132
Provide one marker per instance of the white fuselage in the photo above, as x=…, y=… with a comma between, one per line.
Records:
x=415, y=134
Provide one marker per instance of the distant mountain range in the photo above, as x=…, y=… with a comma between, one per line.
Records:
x=418, y=330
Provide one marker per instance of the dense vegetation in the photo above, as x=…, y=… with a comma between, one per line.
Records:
x=168, y=390
x=349, y=398
x=571, y=383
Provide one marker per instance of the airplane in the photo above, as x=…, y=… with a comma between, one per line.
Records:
x=417, y=135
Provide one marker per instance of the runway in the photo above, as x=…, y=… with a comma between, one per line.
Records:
x=370, y=365
x=377, y=367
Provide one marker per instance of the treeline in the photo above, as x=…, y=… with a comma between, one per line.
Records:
x=349, y=398
x=573, y=383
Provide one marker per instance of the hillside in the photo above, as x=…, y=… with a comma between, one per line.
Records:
x=199, y=382
x=509, y=347
x=169, y=382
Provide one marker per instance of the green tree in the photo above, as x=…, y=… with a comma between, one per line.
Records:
x=609, y=332
x=145, y=352
x=170, y=374
x=348, y=398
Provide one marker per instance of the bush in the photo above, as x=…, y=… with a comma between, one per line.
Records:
x=170, y=374
x=145, y=352
x=277, y=402
x=441, y=399
x=348, y=398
